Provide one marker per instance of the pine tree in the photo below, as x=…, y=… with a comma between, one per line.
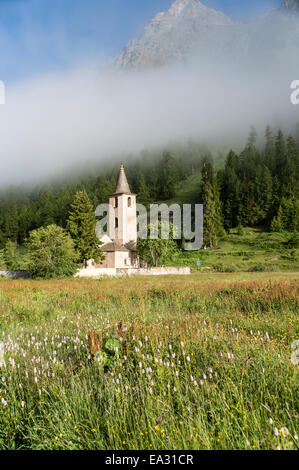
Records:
x=290, y=170
x=230, y=191
x=213, y=226
x=294, y=241
x=289, y=213
x=266, y=193
x=11, y=223
x=143, y=190
x=104, y=187
x=252, y=139
x=297, y=134
x=276, y=224
x=46, y=210
x=269, y=149
x=280, y=157
x=10, y=256
x=240, y=229
x=25, y=222
x=81, y=225
x=64, y=199
x=168, y=176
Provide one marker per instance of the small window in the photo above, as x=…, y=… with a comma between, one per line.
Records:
x=116, y=202
x=116, y=222
x=129, y=202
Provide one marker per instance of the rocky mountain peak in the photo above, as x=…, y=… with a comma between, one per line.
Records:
x=171, y=34
x=290, y=5
x=189, y=30
x=179, y=5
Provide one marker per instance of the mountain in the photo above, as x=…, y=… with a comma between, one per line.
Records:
x=171, y=35
x=190, y=29
x=291, y=5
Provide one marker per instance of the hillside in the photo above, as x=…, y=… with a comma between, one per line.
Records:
x=256, y=188
x=187, y=191
x=256, y=250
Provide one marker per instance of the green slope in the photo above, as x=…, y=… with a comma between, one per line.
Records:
x=187, y=191
x=255, y=249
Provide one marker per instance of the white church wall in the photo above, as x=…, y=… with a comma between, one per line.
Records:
x=96, y=272
x=99, y=272
x=122, y=259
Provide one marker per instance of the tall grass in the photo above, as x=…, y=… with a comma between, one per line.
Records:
x=203, y=365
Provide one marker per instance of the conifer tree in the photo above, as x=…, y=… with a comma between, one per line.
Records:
x=276, y=224
x=266, y=193
x=290, y=171
x=213, y=226
x=25, y=222
x=168, y=176
x=252, y=139
x=103, y=188
x=269, y=149
x=81, y=225
x=230, y=191
x=10, y=255
x=294, y=241
x=11, y=224
x=280, y=157
x=143, y=190
x=46, y=210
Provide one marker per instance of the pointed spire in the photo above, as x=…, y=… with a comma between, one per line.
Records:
x=122, y=186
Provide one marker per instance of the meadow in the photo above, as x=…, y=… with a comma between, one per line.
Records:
x=201, y=362
x=256, y=250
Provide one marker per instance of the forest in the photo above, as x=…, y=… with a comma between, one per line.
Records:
x=257, y=187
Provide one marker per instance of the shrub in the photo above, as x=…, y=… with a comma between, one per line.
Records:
x=51, y=253
x=10, y=255
x=261, y=268
x=2, y=261
x=229, y=268
x=240, y=230
x=294, y=241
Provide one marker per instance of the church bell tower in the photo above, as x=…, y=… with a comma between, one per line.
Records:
x=123, y=219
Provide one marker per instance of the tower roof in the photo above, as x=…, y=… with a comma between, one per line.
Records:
x=122, y=186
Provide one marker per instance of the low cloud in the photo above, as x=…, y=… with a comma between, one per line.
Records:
x=56, y=122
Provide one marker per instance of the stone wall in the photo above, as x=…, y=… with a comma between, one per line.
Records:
x=157, y=271
x=98, y=272
x=15, y=274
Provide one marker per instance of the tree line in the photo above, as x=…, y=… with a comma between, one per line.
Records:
x=255, y=187
x=152, y=177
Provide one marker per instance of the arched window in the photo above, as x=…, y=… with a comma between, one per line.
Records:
x=116, y=222
x=129, y=201
x=116, y=202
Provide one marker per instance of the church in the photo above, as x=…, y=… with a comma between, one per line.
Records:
x=120, y=247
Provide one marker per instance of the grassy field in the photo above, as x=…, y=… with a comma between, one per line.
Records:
x=204, y=362
x=254, y=250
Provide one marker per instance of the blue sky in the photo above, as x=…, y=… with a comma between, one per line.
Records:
x=41, y=36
